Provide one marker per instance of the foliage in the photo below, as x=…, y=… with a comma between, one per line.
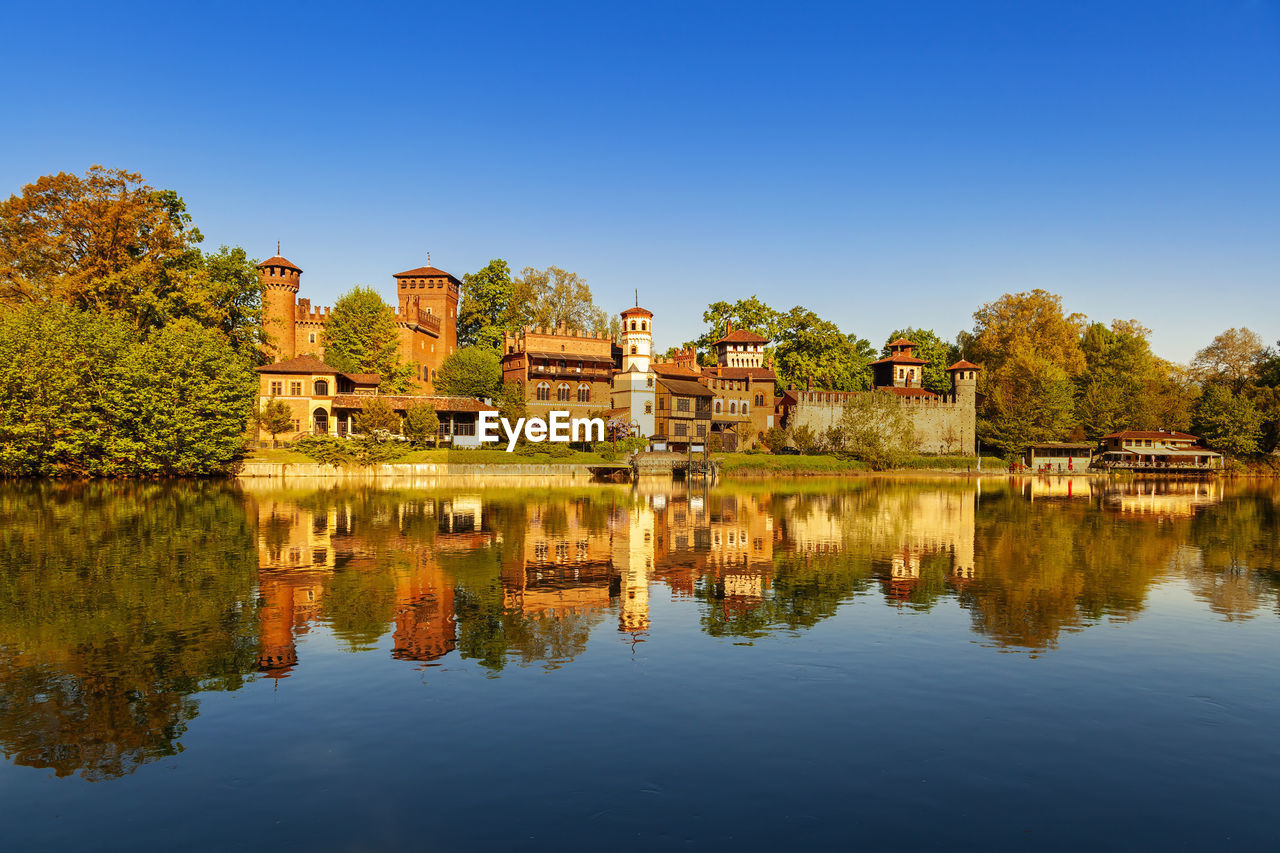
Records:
x=1228, y=422
x=361, y=337
x=749, y=314
x=874, y=428
x=510, y=402
x=1125, y=386
x=421, y=422
x=1029, y=400
x=811, y=350
x=775, y=438
x=364, y=451
x=938, y=353
x=107, y=242
x=84, y=395
x=274, y=418
x=489, y=307
x=474, y=371
x=377, y=416
x=1233, y=357
x=804, y=439
x=554, y=296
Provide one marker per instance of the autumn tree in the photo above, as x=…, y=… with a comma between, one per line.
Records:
x=1233, y=357
x=474, y=371
x=489, y=306
x=361, y=337
x=108, y=242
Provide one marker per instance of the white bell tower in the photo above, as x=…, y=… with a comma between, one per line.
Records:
x=633, y=388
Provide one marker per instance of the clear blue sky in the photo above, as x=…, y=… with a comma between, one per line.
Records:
x=885, y=164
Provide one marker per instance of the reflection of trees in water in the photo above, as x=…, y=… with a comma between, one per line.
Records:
x=1237, y=567
x=117, y=602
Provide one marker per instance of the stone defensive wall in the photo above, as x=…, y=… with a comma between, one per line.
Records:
x=444, y=471
x=944, y=424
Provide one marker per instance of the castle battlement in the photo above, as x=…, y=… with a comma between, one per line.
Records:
x=839, y=398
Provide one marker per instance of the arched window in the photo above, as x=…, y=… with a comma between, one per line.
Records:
x=744, y=407
x=717, y=407
x=633, y=325
x=648, y=382
x=562, y=392
x=733, y=408
x=648, y=408
x=633, y=349
x=584, y=393
x=321, y=420
x=544, y=390
x=322, y=388
x=644, y=326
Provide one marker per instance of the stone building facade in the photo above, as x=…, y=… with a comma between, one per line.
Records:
x=426, y=311
x=944, y=423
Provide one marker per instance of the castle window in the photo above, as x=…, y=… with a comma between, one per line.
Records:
x=544, y=390
x=633, y=349
x=295, y=389
x=276, y=388
x=717, y=407
x=648, y=382
x=733, y=408
x=633, y=325
x=562, y=392
x=744, y=407
x=584, y=393
x=322, y=388
x=313, y=337
x=644, y=326
x=759, y=399
x=648, y=408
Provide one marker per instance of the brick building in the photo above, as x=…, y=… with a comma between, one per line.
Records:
x=561, y=370
x=426, y=311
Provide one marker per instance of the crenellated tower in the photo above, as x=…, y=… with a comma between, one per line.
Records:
x=280, y=280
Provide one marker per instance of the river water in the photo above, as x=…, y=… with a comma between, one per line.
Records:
x=1010, y=664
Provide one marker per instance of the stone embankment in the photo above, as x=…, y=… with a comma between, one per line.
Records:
x=312, y=470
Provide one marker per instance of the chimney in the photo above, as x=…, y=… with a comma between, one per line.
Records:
x=808, y=384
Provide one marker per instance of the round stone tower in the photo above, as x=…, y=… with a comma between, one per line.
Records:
x=280, y=279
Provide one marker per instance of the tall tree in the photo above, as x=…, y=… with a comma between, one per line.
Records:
x=811, y=350
x=749, y=314
x=489, y=306
x=1028, y=400
x=1228, y=422
x=875, y=428
x=361, y=337
x=107, y=241
x=554, y=296
x=1233, y=358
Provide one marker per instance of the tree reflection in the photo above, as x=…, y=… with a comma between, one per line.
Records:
x=117, y=603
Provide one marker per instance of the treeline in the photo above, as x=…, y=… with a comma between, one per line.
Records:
x=1047, y=375
x=125, y=350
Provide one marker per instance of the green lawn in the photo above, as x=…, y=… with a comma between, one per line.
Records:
x=454, y=457
x=758, y=465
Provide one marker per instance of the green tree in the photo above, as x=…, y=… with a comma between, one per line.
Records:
x=554, y=296
x=750, y=314
x=811, y=350
x=938, y=353
x=421, y=422
x=108, y=242
x=1028, y=400
x=489, y=308
x=378, y=416
x=1233, y=358
x=361, y=337
x=874, y=428
x=775, y=438
x=274, y=417
x=510, y=402
x=1228, y=422
x=474, y=371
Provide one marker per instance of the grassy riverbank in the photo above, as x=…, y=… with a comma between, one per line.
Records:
x=454, y=457
x=766, y=465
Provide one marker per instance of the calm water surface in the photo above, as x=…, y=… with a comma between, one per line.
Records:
x=1012, y=664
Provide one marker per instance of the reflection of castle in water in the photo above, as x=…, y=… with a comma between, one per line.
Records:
x=576, y=558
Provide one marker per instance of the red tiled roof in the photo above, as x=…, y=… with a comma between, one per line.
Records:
x=964, y=365
x=674, y=371
x=364, y=378
x=900, y=359
x=741, y=336
x=903, y=342
x=440, y=404
x=278, y=261
x=301, y=364
x=1145, y=434
x=424, y=272
x=637, y=312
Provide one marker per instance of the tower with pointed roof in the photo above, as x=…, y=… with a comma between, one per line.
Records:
x=634, y=386
x=280, y=280
x=900, y=368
